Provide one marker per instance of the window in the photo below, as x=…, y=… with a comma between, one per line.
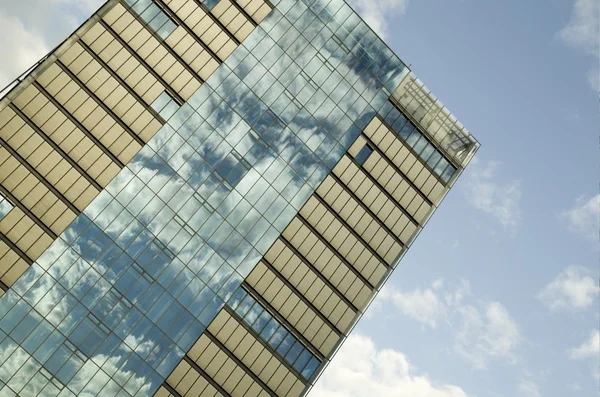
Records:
x=364, y=154
x=165, y=105
x=5, y=207
x=154, y=17
x=210, y=3
x=273, y=333
x=418, y=142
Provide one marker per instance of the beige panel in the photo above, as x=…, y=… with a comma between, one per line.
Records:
x=34, y=195
x=123, y=63
x=70, y=139
x=108, y=89
x=152, y=51
x=303, y=318
x=11, y=265
x=355, y=178
x=24, y=233
x=320, y=294
x=211, y=359
x=257, y=9
x=361, y=220
x=211, y=34
x=339, y=237
x=98, y=122
x=234, y=20
x=405, y=160
x=254, y=355
x=326, y=260
x=190, y=383
x=162, y=392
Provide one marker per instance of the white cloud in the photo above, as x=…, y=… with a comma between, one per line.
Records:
x=487, y=332
x=501, y=200
x=529, y=388
x=426, y=305
x=574, y=386
x=360, y=369
x=583, y=217
x=20, y=48
x=588, y=349
x=484, y=329
x=573, y=289
x=377, y=13
x=583, y=33
x=30, y=29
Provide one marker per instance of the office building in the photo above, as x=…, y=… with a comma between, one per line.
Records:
x=200, y=198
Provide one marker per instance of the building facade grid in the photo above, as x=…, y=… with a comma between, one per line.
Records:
x=254, y=194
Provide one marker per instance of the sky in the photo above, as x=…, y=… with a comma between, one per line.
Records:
x=499, y=294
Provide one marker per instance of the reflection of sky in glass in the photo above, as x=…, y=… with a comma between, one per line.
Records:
x=5, y=207
x=132, y=283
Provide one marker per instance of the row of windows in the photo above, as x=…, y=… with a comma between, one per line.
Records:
x=37, y=197
x=72, y=141
x=401, y=156
x=402, y=192
x=370, y=226
x=419, y=143
x=328, y=300
x=120, y=59
x=252, y=353
x=91, y=115
x=296, y=311
x=153, y=16
x=107, y=88
x=189, y=383
x=204, y=27
x=274, y=333
x=154, y=52
x=355, y=253
x=402, y=195
x=332, y=228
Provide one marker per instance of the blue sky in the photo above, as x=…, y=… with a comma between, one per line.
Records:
x=499, y=294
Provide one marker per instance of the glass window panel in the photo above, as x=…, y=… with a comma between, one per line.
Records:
x=364, y=154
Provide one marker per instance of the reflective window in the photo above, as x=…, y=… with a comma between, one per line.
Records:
x=270, y=330
x=154, y=17
x=5, y=207
x=422, y=146
x=165, y=105
x=364, y=154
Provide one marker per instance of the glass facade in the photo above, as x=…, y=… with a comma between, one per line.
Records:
x=116, y=301
x=5, y=207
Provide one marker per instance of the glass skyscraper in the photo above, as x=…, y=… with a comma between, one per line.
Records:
x=200, y=198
